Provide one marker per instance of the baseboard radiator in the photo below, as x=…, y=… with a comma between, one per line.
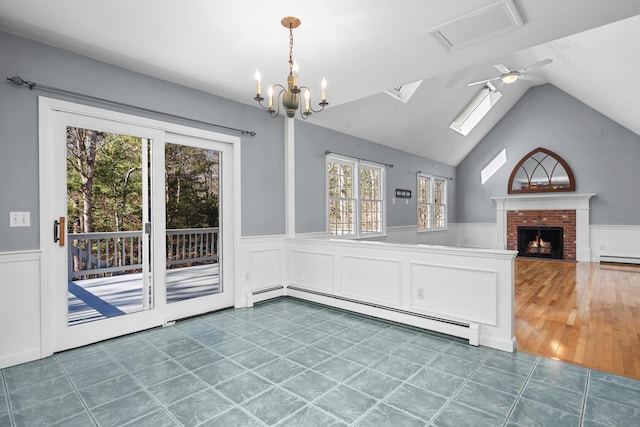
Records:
x=617, y=259
x=469, y=331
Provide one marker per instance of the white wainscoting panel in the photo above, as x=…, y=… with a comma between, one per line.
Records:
x=266, y=268
x=312, y=270
x=371, y=279
x=476, y=235
x=19, y=307
x=442, y=237
x=465, y=292
x=260, y=269
x=615, y=240
x=468, y=294
x=405, y=234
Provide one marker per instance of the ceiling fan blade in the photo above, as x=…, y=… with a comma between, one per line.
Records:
x=483, y=81
x=530, y=77
x=502, y=69
x=536, y=65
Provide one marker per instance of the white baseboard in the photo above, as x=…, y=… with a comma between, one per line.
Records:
x=620, y=259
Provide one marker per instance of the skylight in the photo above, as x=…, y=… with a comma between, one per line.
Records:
x=493, y=166
x=404, y=92
x=476, y=109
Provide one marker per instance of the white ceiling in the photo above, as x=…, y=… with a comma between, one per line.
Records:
x=363, y=47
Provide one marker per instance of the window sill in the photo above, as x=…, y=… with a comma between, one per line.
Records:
x=366, y=237
x=437, y=230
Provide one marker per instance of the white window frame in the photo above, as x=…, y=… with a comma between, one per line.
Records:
x=356, y=165
x=430, y=203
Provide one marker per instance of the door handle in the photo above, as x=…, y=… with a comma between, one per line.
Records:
x=58, y=231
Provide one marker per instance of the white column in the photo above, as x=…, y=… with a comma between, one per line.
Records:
x=583, y=244
x=290, y=177
x=501, y=224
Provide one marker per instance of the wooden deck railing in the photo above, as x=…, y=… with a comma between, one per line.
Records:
x=93, y=255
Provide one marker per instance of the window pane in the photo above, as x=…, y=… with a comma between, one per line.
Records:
x=424, y=217
x=438, y=191
x=341, y=217
x=371, y=216
x=340, y=180
x=423, y=189
x=369, y=183
x=439, y=216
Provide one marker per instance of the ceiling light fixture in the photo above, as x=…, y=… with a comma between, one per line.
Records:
x=291, y=94
x=510, y=77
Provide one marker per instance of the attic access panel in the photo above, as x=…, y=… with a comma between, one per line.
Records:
x=490, y=21
x=541, y=171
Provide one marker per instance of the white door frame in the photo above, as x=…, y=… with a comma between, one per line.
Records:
x=47, y=108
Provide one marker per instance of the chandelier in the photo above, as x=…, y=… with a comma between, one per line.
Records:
x=291, y=94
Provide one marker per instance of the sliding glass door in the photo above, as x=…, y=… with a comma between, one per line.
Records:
x=136, y=219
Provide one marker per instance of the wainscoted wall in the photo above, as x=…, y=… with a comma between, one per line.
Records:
x=471, y=235
x=612, y=240
x=615, y=240
x=415, y=284
x=19, y=307
x=261, y=269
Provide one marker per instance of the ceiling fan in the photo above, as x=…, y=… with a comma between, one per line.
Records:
x=511, y=76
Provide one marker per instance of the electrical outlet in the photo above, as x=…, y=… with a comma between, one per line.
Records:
x=420, y=293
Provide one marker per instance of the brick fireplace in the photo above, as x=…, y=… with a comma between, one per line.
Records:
x=567, y=210
x=564, y=218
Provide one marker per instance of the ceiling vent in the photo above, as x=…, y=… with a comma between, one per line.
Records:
x=404, y=92
x=490, y=21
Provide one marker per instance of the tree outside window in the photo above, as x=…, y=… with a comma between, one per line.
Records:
x=356, y=197
x=432, y=203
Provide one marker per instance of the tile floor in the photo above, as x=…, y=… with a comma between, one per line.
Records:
x=290, y=363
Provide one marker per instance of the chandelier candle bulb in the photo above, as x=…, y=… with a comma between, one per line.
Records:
x=270, y=97
x=307, y=96
x=258, y=83
x=323, y=85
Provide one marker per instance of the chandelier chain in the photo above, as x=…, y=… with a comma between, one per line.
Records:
x=290, y=49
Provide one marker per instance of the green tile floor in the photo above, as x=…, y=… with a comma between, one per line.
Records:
x=287, y=362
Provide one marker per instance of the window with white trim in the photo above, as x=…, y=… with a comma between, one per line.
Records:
x=432, y=203
x=355, y=197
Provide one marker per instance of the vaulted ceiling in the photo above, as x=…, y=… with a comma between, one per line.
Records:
x=363, y=48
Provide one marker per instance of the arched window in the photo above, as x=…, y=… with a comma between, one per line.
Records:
x=541, y=171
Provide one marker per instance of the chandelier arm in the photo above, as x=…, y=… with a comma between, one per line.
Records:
x=259, y=100
x=270, y=110
x=322, y=104
x=278, y=101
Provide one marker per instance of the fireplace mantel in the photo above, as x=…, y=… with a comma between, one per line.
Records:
x=551, y=201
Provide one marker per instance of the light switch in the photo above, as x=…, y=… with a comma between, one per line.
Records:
x=19, y=219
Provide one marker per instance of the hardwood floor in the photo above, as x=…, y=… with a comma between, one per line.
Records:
x=583, y=313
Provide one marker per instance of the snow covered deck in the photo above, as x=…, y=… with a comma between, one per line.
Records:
x=101, y=298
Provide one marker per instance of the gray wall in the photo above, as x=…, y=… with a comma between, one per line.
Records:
x=262, y=155
x=311, y=144
x=603, y=156
x=262, y=199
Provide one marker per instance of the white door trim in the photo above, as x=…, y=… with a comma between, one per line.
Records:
x=46, y=109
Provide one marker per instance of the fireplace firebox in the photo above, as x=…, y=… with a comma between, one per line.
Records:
x=540, y=242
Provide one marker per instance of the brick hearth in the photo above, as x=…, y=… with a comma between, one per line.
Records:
x=548, y=218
